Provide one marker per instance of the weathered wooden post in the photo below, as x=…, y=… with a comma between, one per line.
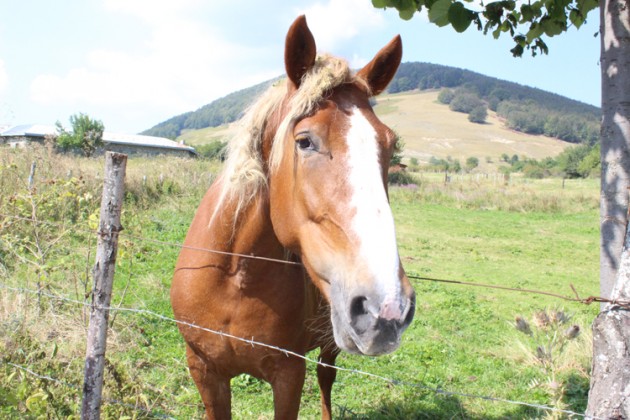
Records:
x=31, y=176
x=107, y=246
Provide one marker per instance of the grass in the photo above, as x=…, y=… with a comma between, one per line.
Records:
x=429, y=128
x=527, y=234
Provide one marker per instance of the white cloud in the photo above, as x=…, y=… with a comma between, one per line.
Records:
x=341, y=20
x=184, y=65
x=154, y=11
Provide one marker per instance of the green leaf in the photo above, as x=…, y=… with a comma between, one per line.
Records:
x=460, y=17
x=552, y=27
x=438, y=13
x=586, y=6
x=379, y=4
x=535, y=31
x=406, y=14
x=576, y=18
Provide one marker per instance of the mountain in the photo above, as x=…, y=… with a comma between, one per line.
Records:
x=221, y=111
x=535, y=115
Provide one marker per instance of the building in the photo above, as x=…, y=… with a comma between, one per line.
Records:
x=22, y=135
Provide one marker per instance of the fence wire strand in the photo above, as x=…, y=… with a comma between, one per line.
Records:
x=624, y=304
x=252, y=342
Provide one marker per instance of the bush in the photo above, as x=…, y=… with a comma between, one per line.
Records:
x=401, y=178
x=471, y=163
x=86, y=135
x=446, y=96
x=213, y=150
x=465, y=102
x=478, y=114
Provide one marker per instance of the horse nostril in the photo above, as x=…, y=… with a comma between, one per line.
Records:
x=359, y=315
x=357, y=306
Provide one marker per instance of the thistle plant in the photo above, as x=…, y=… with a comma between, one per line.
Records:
x=548, y=336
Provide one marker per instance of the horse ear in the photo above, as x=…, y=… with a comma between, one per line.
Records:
x=380, y=71
x=299, y=51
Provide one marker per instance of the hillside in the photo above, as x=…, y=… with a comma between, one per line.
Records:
x=429, y=128
x=521, y=120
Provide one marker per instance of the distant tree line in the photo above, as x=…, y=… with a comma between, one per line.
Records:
x=579, y=161
x=524, y=109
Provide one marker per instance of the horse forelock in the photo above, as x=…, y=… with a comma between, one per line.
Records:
x=244, y=176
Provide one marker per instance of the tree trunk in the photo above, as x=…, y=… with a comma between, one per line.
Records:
x=615, y=135
x=609, y=396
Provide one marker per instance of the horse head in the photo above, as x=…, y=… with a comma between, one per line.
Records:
x=328, y=156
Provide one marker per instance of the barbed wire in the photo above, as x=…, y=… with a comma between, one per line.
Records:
x=289, y=353
x=619, y=303
x=624, y=304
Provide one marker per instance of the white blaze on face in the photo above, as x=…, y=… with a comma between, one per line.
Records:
x=373, y=222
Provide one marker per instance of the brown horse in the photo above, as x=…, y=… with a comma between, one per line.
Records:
x=304, y=180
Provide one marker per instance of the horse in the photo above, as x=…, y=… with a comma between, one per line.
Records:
x=304, y=252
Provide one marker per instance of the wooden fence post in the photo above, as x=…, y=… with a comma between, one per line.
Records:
x=31, y=176
x=107, y=246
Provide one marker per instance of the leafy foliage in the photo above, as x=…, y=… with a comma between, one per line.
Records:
x=86, y=135
x=446, y=96
x=465, y=102
x=471, y=163
x=580, y=161
x=478, y=114
x=213, y=150
x=527, y=23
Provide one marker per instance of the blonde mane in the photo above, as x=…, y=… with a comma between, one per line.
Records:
x=243, y=176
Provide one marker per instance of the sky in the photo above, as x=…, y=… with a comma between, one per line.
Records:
x=134, y=63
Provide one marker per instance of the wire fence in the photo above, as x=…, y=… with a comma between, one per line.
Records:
x=288, y=353
x=251, y=341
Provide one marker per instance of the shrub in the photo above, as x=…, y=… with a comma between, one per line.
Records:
x=86, y=135
x=400, y=178
x=446, y=96
x=478, y=114
x=213, y=150
x=465, y=102
x=471, y=163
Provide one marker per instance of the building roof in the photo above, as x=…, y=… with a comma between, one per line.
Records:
x=39, y=130
x=33, y=130
x=141, y=140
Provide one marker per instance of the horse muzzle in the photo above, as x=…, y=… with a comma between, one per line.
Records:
x=370, y=326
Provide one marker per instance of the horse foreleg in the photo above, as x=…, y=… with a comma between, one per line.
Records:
x=215, y=391
x=326, y=377
x=287, y=383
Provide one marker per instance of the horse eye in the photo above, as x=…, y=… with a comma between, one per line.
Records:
x=304, y=143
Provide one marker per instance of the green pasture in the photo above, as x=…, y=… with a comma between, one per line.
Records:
x=461, y=351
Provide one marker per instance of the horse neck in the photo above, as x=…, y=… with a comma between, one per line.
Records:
x=252, y=232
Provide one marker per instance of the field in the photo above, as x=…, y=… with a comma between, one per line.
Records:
x=462, y=357
x=430, y=129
